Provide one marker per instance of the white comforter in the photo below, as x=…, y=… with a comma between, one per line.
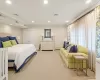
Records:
x=20, y=52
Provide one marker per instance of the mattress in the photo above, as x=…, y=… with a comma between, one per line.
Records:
x=20, y=52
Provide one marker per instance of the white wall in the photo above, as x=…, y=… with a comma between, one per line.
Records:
x=33, y=35
x=14, y=31
x=98, y=69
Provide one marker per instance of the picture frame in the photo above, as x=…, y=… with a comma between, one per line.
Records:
x=47, y=33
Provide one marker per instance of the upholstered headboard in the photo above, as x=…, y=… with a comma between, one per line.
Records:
x=4, y=34
x=8, y=34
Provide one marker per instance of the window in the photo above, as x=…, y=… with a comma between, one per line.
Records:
x=47, y=33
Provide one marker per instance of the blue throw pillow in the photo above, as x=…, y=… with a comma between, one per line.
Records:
x=66, y=44
x=1, y=44
x=73, y=49
x=3, y=39
x=13, y=38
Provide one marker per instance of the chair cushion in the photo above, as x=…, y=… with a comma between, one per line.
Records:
x=13, y=38
x=82, y=49
x=13, y=42
x=64, y=51
x=6, y=44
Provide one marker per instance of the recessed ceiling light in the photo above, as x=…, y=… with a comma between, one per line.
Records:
x=45, y=1
x=8, y=2
x=33, y=21
x=49, y=21
x=88, y=1
x=66, y=21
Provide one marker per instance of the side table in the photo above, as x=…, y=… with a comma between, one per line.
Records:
x=80, y=58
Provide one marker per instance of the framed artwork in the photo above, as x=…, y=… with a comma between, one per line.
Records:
x=47, y=33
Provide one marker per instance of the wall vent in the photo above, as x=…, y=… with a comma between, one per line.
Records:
x=56, y=14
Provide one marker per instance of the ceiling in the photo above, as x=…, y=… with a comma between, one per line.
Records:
x=35, y=10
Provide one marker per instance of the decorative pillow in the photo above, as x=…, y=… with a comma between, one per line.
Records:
x=13, y=38
x=4, y=39
x=68, y=48
x=66, y=44
x=0, y=44
x=6, y=44
x=82, y=49
x=73, y=49
x=13, y=42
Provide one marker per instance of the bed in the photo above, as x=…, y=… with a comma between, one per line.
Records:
x=20, y=54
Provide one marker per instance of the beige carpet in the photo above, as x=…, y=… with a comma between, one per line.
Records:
x=47, y=65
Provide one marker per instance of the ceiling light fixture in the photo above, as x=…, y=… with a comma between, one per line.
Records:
x=8, y=2
x=33, y=21
x=45, y=1
x=49, y=21
x=66, y=21
x=10, y=24
x=88, y=1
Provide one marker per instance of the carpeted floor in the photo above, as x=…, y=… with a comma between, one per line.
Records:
x=47, y=65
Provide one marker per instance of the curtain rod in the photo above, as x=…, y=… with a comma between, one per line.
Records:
x=84, y=15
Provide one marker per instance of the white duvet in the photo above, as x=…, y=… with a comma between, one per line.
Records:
x=20, y=52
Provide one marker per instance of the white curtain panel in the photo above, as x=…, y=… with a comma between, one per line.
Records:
x=72, y=34
x=83, y=32
x=91, y=38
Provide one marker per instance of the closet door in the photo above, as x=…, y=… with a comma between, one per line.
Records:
x=32, y=36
